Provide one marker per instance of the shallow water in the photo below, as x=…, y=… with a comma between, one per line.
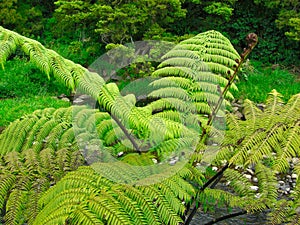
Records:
x=247, y=219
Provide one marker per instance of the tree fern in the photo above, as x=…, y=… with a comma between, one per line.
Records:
x=269, y=135
x=123, y=143
x=154, y=204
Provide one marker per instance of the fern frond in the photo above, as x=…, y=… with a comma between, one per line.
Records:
x=289, y=148
x=9, y=43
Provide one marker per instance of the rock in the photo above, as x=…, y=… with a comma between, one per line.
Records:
x=214, y=168
x=84, y=97
x=173, y=162
x=238, y=167
x=65, y=99
x=281, y=182
x=295, y=160
x=239, y=114
x=154, y=161
x=78, y=101
x=240, y=102
x=62, y=96
x=255, y=179
x=254, y=188
x=235, y=109
x=250, y=171
x=236, y=105
x=120, y=154
x=116, y=78
x=248, y=176
x=258, y=195
x=294, y=176
x=261, y=106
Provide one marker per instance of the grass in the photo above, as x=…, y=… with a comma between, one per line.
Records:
x=12, y=109
x=24, y=89
x=257, y=81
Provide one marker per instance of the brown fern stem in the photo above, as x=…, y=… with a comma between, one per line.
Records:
x=123, y=128
x=252, y=40
x=209, y=182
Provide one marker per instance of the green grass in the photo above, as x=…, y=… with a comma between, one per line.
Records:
x=12, y=109
x=21, y=78
x=24, y=89
x=258, y=81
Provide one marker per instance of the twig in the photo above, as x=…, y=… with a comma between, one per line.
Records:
x=130, y=138
x=226, y=217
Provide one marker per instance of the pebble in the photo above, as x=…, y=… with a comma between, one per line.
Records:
x=120, y=154
x=295, y=160
x=294, y=176
x=235, y=109
x=255, y=179
x=248, y=176
x=250, y=171
x=173, y=162
x=261, y=106
x=78, y=100
x=65, y=99
x=154, y=160
x=258, y=195
x=214, y=168
x=254, y=188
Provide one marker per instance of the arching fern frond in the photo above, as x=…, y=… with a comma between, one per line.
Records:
x=112, y=203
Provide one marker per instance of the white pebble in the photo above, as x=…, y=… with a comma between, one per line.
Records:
x=154, y=160
x=294, y=176
x=214, y=168
x=248, y=176
x=254, y=188
x=120, y=154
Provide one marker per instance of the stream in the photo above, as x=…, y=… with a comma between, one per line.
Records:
x=253, y=219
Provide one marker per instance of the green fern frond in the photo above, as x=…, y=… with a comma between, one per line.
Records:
x=9, y=43
x=38, y=55
x=290, y=148
x=292, y=108
x=239, y=183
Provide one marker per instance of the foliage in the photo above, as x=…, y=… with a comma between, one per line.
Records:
x=118, y=22
x=269, y=135
x=288, y=16
x=26, y=17
x=258, y=82
x=29, y=81
x=38, y=149
x=12, y=109
x=247, y=16
x=50, y=129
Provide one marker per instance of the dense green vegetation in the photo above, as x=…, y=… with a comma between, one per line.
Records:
x=24, y=89
x=80, y=30
x=258, y=80
x=164, y=140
